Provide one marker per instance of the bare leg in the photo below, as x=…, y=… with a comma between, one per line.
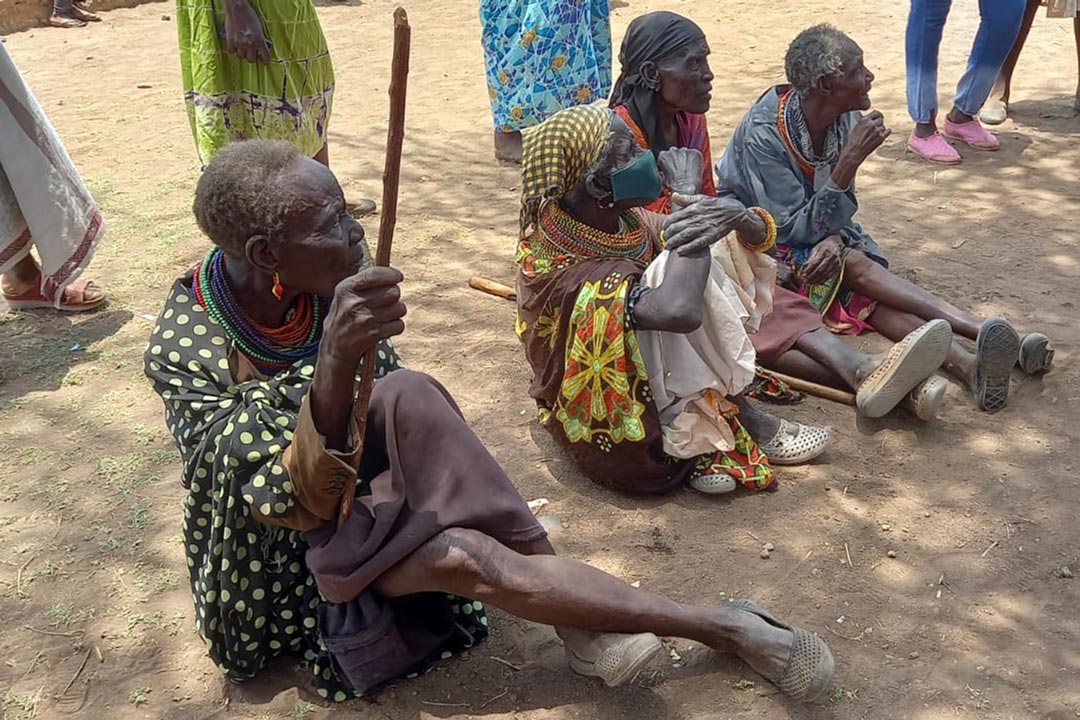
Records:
x=761, y=425
x=551, y=590
x=1076, y=32
x=508, y=146
x=867, y=277
x=850, y=365
x=895, y=324
x=798, y=364
x=1000, y=94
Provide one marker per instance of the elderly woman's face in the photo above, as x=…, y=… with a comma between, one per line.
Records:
x=322, y=243
x=686, y=80
x=851, y=89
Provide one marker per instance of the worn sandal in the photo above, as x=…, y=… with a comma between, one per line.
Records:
x=795, y=443
x=810, y=666
x=74, y=299
x=1036, y=354
x=908, y=363
x=620, y=662
x=715, y=484
x=925, y=400
x=996, y=350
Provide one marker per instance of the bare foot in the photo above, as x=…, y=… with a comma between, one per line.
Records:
x=508, y=146
x=762, y=646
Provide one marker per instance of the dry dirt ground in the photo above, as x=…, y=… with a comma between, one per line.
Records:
x=970, y=619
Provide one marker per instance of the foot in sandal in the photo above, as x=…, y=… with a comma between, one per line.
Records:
x=78, y=296
x=907, y=364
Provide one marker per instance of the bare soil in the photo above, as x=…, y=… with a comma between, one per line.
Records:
x=970, y=619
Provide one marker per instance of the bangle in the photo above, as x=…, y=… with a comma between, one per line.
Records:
x=770, y=232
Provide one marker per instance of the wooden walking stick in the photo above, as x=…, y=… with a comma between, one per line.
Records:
x=822, y=391
x=395, y=136
x=492, y=287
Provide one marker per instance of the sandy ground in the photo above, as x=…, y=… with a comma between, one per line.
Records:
x=969, y=620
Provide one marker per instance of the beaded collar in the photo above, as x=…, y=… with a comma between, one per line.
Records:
x=271, y=349
x=795, y=133
x=563, y=234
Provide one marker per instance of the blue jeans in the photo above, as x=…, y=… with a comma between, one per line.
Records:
x=999, y=26
x=61, y=6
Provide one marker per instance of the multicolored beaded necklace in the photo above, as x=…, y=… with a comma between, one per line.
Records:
x=271, y=349
x=569, y=236
x=791, y=123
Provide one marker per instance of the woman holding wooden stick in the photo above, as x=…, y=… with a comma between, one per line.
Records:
x=255, y=358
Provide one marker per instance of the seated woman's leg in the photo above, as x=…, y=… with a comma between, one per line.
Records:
x=547, y=589
x=895, y=324
x=798, y=364
x=838, y=359
x=865, y=276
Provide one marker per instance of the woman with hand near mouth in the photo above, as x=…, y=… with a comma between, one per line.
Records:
x=796, y=154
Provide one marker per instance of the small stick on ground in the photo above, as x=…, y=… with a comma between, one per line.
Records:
x=848, y=553
x=753, y=536
x=33, y=664
x=446, y=705
x=503, y=694
x=18, y=576
x=53, y=633
x=82, y=666
x=992, y=546
x=507, y=663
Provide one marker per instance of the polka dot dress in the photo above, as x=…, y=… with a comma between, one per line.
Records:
x=254, y=596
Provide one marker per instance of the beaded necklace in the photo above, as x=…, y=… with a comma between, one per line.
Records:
x=272, y=349
x=795, y=133
x=567, y=235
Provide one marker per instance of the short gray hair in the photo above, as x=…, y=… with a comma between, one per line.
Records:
x=817, y=52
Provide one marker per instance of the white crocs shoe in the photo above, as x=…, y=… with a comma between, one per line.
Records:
x=715, y=484
x=795, y=443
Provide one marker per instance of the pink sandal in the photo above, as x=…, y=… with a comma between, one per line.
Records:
x=933, y=148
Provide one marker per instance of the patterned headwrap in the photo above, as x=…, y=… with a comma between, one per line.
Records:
x=556, y=153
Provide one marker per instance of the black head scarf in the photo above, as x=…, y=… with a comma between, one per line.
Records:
x=653, y=36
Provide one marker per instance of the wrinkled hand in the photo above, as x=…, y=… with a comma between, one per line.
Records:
x=367, y=308
x=681, y=169
x=867, y=135
x=244, y=35
x=824, y=260
x=700, y=221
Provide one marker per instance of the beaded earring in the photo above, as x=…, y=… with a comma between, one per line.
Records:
x=278, y=290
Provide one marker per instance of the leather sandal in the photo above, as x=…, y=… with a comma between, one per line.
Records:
x=810, y=666
x=620, y=662
x=74, y=299
x=908, y=363
x=795, y=443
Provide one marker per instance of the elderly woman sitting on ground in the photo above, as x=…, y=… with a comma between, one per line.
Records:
x=640, y=355
x=663, y=92
x=796, y=154
x=255, y=356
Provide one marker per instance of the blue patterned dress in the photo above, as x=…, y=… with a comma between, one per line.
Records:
x=543, y=56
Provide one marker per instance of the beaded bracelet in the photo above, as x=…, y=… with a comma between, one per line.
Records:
x=770, y=232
